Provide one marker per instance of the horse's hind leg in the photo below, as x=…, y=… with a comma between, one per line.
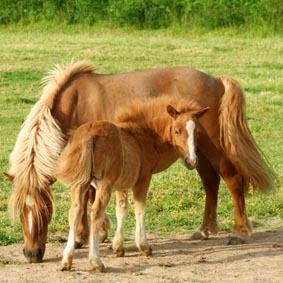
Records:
x=121, y=214
x=75, y=215
x=237, y=186
x=140, y=193
x=210, y=180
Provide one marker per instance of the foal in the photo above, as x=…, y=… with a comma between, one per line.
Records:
x=147, y=138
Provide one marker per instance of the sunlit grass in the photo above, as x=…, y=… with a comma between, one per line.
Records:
x=176, y=198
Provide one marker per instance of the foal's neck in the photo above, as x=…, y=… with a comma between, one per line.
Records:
x=157, y=127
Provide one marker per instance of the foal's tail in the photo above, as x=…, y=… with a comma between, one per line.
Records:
x=237, y=141
x=75, y=165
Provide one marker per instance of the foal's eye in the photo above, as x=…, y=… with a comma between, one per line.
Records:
x=177, y=132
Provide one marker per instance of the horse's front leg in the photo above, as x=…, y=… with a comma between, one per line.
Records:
x=75, y=215
x=210, y=180
x=97, y=217
x=140, y=192
x=121, y=214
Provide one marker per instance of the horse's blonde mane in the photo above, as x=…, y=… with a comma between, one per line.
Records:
x=39, y=144
x=142, y=111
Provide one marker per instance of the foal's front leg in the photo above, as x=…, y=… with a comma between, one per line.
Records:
x=75, y=215
x=140, y=193
x=121, y=214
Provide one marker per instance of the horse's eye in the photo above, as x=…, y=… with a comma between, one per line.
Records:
x=177, y=132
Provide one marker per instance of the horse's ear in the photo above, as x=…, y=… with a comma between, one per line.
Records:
x=52, y=180
x=9, y=177
x=172, y=111
x=199, y=113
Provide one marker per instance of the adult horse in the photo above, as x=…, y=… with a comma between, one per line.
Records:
x=77, y=94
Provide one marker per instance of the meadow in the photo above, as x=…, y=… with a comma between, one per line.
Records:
x=176, y=198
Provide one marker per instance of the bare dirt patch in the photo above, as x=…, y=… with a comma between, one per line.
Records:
x=175, y=259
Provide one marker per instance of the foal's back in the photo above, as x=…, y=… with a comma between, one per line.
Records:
x=102, y=152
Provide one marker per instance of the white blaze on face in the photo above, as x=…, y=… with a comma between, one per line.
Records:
x=30, y=202
x=30, y=221
x=190, y=127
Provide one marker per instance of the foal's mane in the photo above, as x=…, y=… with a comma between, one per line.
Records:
x=143, y=111
x=39, y=143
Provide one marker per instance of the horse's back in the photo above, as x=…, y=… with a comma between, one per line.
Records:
x=93, y=96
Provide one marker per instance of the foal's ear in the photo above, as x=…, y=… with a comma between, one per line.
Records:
x=52, y=180
x=9, y=177
x=199, y=113
x=172, y=111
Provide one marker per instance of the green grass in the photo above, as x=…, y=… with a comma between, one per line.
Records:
x=176, y=198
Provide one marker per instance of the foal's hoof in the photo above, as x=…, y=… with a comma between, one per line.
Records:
x=65, y=267
x=236, y=240
x=199, y=235
x=120, y=252
x=97, y=267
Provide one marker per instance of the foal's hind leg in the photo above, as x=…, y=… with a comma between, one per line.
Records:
x=140, y=193
x=210, y=180
x=83, y=229
x=75, y=215
x=97, y=217
x=121, y=214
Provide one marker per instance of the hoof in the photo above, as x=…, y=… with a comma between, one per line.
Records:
x=199, y=235
x=103, y=236
x=147, y=251
x=65, y=267
x=97, y=267
x=78, y=245
x=120, y=252
x=236, y=240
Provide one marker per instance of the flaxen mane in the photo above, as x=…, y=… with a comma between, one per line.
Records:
x=39, y=144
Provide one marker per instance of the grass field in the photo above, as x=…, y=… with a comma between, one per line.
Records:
x=176, y=198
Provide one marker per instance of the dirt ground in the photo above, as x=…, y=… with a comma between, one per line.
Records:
x=175, y=259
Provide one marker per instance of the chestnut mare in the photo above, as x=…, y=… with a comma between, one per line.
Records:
x=76, y=95
x=145, y=139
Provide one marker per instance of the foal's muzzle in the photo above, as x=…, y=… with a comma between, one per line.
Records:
x=34, y=256
x=191, y=164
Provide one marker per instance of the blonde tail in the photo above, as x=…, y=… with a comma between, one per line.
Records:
x=236, y=139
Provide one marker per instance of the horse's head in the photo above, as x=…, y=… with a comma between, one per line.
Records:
x=35, y=213
x=184, y=133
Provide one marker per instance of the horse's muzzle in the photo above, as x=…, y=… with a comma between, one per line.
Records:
x=191, y=164
x=34, y=256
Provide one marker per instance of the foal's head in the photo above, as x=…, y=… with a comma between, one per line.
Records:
x=184, y=132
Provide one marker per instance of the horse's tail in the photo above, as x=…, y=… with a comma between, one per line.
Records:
x=75, y=165
x=39, y=144
x=236, y=139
